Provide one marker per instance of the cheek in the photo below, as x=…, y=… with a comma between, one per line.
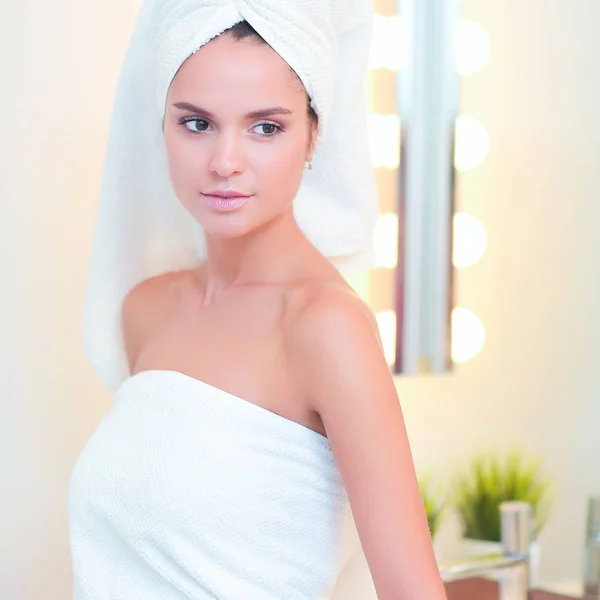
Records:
x=280, y=171
x=184, y=164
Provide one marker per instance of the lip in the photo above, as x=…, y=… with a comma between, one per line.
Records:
x=226, y=201
x=227, y=194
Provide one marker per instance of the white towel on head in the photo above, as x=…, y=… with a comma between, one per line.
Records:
x=142, y=230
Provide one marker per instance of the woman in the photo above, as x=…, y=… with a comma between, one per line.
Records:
x=255, y=399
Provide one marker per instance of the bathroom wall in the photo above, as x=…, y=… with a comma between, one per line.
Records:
x=59, y=62
x=537, y=289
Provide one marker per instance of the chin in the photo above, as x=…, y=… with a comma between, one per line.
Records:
x=227, y=226
x=231, y=225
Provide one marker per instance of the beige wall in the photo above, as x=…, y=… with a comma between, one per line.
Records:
x=536, y=288
x=59, y=63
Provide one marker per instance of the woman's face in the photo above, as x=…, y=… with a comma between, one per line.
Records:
x=236, y=122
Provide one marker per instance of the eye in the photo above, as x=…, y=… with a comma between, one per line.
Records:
x=270, y=129
x=200, y=123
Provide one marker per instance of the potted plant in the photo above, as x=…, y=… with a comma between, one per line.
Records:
x=490, y=481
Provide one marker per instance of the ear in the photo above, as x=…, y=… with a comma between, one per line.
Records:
x=313, y=139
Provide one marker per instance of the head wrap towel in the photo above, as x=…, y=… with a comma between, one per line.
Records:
x=141, y=228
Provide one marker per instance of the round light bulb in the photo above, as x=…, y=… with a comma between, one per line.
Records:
x=473, y=48
x=472, y=143
x=468, y=335
x=470, y=240
x=386, y=321
x=384, y=136
x=389, y=45
x=386, y=240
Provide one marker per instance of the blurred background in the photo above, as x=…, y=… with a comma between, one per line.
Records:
x=499, y=382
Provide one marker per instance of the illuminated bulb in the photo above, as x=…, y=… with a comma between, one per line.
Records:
x=389, y=45
x=386, y=240
x=359, y=282
x=473, y=48
x=468, y=335
x=386, y=321
x=384, y=140
x=470, y=240
x=472, y=143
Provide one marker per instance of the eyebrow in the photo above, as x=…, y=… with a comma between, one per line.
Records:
x=255, y=114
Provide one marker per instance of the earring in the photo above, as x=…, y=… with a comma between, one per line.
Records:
x=308, y=165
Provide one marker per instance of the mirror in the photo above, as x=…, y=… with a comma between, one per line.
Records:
x=414, y=86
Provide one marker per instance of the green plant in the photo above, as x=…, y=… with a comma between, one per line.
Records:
x=491, y=481
x=433, y=501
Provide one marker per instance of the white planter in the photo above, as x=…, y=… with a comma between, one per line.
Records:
x=535, y=551
x=471, y=549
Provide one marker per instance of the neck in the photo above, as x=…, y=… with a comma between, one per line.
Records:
x=265, y=255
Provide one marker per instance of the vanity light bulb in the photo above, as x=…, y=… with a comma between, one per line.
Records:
x=472, y=143
x=386, y=321
x=384, y=136
x=469, y=240
x=386, y=240
x=473, y=48
x=389, y=46
x=468, y=335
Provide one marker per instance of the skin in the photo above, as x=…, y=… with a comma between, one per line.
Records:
x=266, y=317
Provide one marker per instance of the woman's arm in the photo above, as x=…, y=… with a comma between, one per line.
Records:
x=336, y=352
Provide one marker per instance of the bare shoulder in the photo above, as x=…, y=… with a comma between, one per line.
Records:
x=331, y=335
x=144, y=305
x=153, y=288
x=327, y=315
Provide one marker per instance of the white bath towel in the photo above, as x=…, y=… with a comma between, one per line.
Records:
x=142, y=230
x=186, y=492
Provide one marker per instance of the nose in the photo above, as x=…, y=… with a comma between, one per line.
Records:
x=227, y=158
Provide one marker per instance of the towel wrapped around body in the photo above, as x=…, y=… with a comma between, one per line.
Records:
x=208, y=496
